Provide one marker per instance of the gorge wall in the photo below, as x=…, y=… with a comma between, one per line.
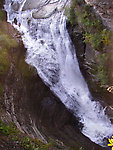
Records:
x=30, y=104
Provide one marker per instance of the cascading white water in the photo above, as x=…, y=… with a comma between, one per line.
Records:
x=50, y=51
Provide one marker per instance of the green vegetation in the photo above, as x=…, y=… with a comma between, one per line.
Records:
x=70, y=12
x=6, y=43
x=3, y=15
x=99, y=70
x=94, y=32
x=7, y=129
x=97, y=40
x=4, y=61
x=24, y=141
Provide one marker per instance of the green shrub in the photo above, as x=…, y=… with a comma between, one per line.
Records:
x=90, y=23
x=69, y=12
x=102, y=75
x=98, y=39
x=6, y=129
x=99, y=70
x=83, y=18
x=24, y=141
x=92, y=26
x=94, y=39
x=106, y=34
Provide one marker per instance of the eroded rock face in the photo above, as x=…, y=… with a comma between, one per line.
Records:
x=105, y=9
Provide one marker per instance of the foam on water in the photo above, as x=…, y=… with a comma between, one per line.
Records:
x=50, y=51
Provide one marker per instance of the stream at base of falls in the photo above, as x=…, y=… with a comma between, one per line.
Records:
x=51, y=52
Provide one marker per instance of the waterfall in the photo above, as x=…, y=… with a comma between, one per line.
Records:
x=51, y=52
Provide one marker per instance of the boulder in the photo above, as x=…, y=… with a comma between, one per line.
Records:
x=34, y=4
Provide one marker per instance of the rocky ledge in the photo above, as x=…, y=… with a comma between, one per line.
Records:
x=105, y=9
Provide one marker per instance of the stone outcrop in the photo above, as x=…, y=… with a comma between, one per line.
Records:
x=105, y=9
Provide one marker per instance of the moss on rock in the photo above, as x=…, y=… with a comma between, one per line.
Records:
x=3, y=15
